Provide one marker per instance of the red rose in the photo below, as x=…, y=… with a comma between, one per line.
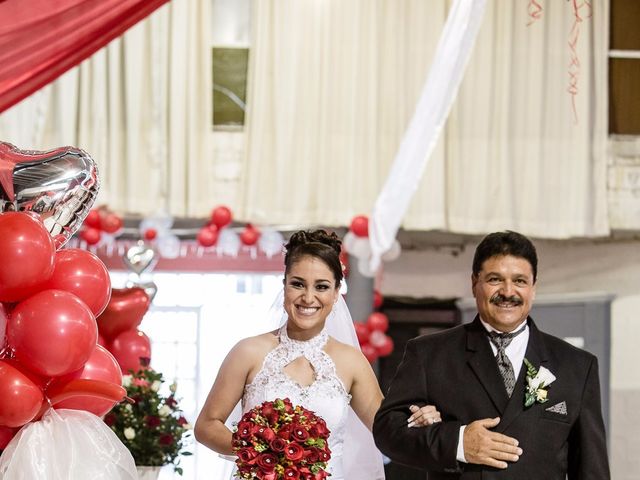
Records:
x=165, y=439
x=285, y=431
x=245, y=429
x=300, y=433
x=319, y=430
x=312, y=455
x=182, y=421
x=321, y=475
x=278, y=444
x=291, y=473
x=270, y=413
x=267, y=462
x=110, y=419
x=153, y=421
x=293, y=452
x=247, y=455
x=267, y=476
x=170, y=401
x=265, y=433
x=288, y=407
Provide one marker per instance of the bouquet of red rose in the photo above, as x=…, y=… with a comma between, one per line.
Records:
x=279, y=441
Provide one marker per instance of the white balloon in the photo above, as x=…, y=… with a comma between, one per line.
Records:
x=361, y=248
x=393, y=253
x=229, y=242
x=270, y=242
x=348, y=240
x=168, y=246
x=160, y=222
x=364, y=268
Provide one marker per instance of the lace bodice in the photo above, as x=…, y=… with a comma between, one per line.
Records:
x=326, y=396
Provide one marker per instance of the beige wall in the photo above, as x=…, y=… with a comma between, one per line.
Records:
x=564, y=267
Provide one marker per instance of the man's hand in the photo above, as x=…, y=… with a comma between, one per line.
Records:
x=484, y=447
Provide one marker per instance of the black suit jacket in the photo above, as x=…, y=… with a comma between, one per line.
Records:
x=456, y=371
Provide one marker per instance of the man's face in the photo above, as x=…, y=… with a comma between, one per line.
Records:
x=504, y=290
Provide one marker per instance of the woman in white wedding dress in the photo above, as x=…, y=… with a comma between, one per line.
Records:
x=312, y=359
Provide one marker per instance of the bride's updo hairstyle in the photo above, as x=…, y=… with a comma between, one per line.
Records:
x=314, y=243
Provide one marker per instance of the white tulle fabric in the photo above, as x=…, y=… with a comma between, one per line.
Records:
x=67, y=444
x=354, y=454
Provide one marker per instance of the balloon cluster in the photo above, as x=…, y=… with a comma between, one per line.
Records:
x=228, y=242
x=356, y=242
x=49, y=300
x=374, y=342
x=101, y=225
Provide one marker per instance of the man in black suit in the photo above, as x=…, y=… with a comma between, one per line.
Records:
x=516, y=403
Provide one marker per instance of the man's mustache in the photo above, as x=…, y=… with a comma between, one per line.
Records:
x=499, y=298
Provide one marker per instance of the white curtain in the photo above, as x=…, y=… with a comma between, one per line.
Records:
x=333, y=85
x=141, y=107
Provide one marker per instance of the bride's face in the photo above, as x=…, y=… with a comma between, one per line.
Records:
x=310, y=290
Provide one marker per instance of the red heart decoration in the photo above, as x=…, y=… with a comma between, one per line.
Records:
x=124, y=311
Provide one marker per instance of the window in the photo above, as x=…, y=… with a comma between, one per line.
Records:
x=624, y=67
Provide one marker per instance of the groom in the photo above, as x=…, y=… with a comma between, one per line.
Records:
x=498, y=420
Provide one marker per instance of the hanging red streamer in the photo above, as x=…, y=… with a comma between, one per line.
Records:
x=582, y=10
x=534, y=10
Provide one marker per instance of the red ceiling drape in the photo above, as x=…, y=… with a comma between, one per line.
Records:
x=42, y=39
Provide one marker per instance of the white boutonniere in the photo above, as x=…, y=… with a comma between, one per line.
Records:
x=538, y=381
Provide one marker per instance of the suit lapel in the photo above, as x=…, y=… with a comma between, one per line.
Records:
x=484, y=366
x=536, y=353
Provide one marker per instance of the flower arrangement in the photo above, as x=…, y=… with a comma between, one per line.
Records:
x=153, y=427
x=277, y=441
x=538, y=381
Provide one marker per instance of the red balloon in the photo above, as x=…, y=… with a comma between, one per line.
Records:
x=52, y=333
x=370, y=352
x=362, y=332
x=93, y=219
x=129, y=347
x=101, y=340
x=249, y=235
x=207, y=236
x=83, y=274
x=378, y=321
x=90, y=235
x=28, y=254
x=21, y=398
x=111, y=223
x=386, y=347
x=124, y=311
x=378, y=299
x=377, y=338
x=97, y=389
x=100, y=366
x=360, y=226
x=150, y=234
x=6, y=434
x=221, y=216
x=344, y=261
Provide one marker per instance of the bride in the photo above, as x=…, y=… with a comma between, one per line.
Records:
x=312, y=359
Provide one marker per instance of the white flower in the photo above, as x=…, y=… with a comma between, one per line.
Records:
x=173, y=387
x=126, y=381
x=164, y=410
x=155, y=386
x=543, y=378
x=128, y=408
x=187, y=426
x=129, y=433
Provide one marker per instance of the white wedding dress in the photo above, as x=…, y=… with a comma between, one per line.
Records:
x=326, y=396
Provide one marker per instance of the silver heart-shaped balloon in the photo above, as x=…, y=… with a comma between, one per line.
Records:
x=59, y=185
x=140, y=257
x=149, y=288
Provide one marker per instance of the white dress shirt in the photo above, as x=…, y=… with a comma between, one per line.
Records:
x=515, y=352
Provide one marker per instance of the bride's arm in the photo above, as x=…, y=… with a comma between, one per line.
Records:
x=225, y=393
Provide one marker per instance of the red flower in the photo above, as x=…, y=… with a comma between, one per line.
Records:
x=300, y=433
x=171, y=402
x=153, y=421
x=270, y=413
x=166, y=439
x=265, y=433
x=293, y=452
x=278, y=444
x=110, y=419
x=247, y=455
x=267, y=462
x=245, y=430
x=291, y=473
x=286, y=432
x=182, y=421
